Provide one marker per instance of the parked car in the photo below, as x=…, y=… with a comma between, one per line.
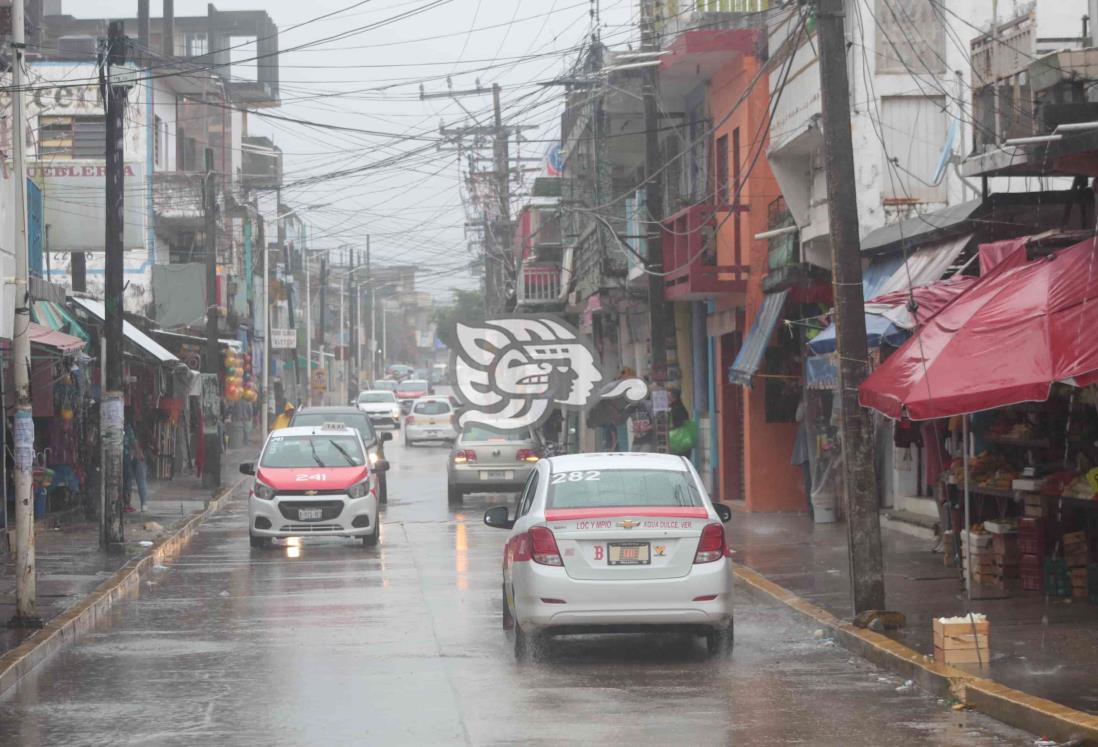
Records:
x=632, y=542
x=488, y=461
x=398, y=371
x=409, y=390
x=380, y=405
x=352, y=417
x=431, y=419
x=313, y=481
x=388, y=385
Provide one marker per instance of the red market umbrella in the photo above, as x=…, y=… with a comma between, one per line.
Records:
x=1007, y=339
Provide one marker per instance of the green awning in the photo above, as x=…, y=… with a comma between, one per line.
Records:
x=57, y=317
x=298, y=361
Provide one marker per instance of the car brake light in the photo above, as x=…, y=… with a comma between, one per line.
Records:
x=468, y=455
x=543, y=546
x=527, y=455
x=520, y=547
x=711, y=546
x=410, y=420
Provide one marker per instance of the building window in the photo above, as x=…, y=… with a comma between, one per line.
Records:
x=910, y=37
x=196, y=45
x=722, y=170
x=158, y=140
x=74, y=137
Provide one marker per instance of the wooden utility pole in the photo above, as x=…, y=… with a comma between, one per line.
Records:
x=211, y=439
x=658, y=314
x=859, y=473
x=26, y=594
x=499, y=267
x=112, y=414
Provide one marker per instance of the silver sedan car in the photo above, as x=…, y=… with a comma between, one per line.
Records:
x=488, y=461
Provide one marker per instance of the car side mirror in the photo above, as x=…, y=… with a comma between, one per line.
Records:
x=498, y=517
x=247, y=468
x=381, y=465
x=723, y=511
x=386, y=436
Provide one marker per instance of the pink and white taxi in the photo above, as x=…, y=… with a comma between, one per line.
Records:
x=313, y=481
x=609, y=543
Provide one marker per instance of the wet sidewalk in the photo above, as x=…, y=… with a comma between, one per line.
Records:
x=69, y=562
x=1043, y=646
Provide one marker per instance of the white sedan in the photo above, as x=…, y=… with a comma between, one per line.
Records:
x=607, y=543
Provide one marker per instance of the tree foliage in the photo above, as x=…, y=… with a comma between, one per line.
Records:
x=467, y=307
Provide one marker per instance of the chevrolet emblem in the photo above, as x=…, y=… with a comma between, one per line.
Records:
x=628, y=524
x=311, y=492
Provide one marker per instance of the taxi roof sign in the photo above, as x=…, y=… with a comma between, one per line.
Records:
x=334, y=427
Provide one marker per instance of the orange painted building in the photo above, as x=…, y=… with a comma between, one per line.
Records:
x=754, y=454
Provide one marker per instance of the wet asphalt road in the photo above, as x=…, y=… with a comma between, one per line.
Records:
x=329, y=643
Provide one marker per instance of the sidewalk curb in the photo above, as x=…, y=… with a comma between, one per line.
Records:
x=1013, y=707
x=83, y=617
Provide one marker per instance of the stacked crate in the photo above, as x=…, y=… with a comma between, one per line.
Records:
x=1076, y=558
x=962, y=640
x=1031, y=546
x=1034, y=506
x=981, y=554
x=1005, y=559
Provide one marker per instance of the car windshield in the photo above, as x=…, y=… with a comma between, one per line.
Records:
x=487, y=435
x=293, y=452
x=414, y=385
x=593, y=488
x=367, y=397
x=434, y=407
x=385, y=384
x=358, y=420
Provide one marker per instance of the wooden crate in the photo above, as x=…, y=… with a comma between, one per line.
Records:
x=954, y=629
x=961, y=656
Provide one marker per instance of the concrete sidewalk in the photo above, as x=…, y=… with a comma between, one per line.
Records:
x=69, y=562
x=1044, y=647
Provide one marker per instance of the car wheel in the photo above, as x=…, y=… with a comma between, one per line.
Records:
x=371, y=539
x=454, y=495
x=260, y=543
x=720, y=642
x=383, y=490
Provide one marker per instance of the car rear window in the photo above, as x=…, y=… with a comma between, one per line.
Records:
x=377, y=397
x=476, y=433
x=358, y=420
x=592, y=488
x=290, y=452
x=432, y=408
x=414, y=385
x=383, y=384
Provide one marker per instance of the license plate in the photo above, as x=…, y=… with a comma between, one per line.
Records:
x=309, y=514
x=497, y=474
x=627, y=553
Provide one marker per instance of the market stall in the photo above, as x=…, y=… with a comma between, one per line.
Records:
x=1006, y=373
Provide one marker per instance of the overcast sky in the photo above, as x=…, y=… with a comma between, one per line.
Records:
x=369, y=79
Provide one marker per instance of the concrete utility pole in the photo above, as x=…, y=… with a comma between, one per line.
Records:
x=265, y=380
x=323, y=314
x=658, y=313
x=370, y=304
x=859, y=474
x=26, y=594
x=502, y=232
x=352, y=315
x=112, y=413
x=211, y=472
x=308, y=326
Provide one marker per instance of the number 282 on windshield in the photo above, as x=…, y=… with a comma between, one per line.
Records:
x=590, y=475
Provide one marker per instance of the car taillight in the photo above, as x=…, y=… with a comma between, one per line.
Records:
x=543, y=546
x=410, y=420
x=527, y=455
x=462, y=457
x=711, y=546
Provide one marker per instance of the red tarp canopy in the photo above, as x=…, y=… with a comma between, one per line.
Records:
x=1005, y=340
x=53, y=339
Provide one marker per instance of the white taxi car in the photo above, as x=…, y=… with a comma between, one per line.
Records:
x=430, y=419
x=615, y=543
x=313, y=481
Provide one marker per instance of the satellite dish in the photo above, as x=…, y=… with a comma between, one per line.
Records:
x=947, y=152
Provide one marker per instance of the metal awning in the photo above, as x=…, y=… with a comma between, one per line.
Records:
x=751, y=352
x=41, y=335
x=133, y=334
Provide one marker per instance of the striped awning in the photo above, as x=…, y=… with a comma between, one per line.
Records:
x=57, y=317
x=51, y=338
x=751, y=352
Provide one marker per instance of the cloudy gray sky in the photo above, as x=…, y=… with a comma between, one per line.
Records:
x=361, y=68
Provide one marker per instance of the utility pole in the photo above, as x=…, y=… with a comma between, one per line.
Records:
x=323, y=314
x=502, y=232
x=370, y=305
x=353, y=337
x=211, y=472
x=265, y=380
x=658, y=313
x=112, y=417
x=859, y=473
x=308, y=326
x=26, y=594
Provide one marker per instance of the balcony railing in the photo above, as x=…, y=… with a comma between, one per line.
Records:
x=690, y=258
x=540, y=284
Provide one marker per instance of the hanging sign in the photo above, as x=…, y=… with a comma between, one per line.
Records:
x=283, y=339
